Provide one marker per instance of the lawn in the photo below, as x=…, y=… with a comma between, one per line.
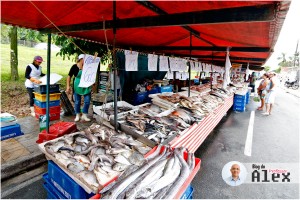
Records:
x=25, y=57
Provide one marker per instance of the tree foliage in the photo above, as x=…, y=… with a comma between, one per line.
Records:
x=267, y=68
x=71, y=51
x=278, y=70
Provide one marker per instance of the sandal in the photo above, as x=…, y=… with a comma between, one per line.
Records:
x=259, y=108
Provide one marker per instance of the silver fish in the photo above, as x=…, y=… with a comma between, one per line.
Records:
x=136, y=158
x=121, y=159
x=75, y=167
x=119, y=187
x=89, y=178
x=119, y=167
x=143, y=150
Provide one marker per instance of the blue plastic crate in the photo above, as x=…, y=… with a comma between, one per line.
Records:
x=65, y=184
x=239, y=108
x=11, y=131
x=168, y=88
x=236, y=96
x=152, y=91
x=43, y=104
x=43, y=90
x=52, y=192
x=239, y=100
x=188, y=193
x=240, y=104
x=140, y=98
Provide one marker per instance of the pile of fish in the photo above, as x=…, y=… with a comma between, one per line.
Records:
x=160, y=177
x=201, y=88
x=97, y=154
x=120, y=109
x=156, y=129
x=151, y=109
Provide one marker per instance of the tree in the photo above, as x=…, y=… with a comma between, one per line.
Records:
x=13, y=34
x=267, y=68
x=278, y=70
x=68, y=48
x=284, y=62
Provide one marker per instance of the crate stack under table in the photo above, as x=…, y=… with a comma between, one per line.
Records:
x=40, y=103
x=241, y=98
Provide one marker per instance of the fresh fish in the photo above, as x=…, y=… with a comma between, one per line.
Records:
x=127, y=154
x=152, y=174
x=116, y=150
x=75, y=167
x=102, y=158
x=136, y=158
x=143, y=150
x=121, y=159
x=108, y=169
x=89, y=178
x=83, y=160
x=91, y=136
x=53, y=147
x=119, y=187
x=119, y=167
x=64, y=160
x=184, y=173
x=161, y=193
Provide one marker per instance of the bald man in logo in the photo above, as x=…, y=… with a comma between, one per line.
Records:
x=234, y=179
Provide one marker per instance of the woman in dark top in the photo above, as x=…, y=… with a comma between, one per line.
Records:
x=76, y=71
x=32, y=74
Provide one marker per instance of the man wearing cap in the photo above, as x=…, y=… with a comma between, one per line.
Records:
x=76, y=71
x=32, y=74
x=271, y=92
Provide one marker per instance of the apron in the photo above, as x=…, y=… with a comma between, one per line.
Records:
x=80, y=90
x=35, y=73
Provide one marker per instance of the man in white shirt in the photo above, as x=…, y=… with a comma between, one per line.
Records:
x=234, y=179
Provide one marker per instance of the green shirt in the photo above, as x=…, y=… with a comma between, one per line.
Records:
x=80, y=90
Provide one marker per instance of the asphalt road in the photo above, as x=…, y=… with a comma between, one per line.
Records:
x=275, y=140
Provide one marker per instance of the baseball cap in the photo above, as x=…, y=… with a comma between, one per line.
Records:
x=38, y=58
x=80, y=56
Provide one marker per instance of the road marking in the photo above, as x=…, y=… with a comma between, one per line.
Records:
x=248, y=143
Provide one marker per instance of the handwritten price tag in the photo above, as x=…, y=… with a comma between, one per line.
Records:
x=89, y=72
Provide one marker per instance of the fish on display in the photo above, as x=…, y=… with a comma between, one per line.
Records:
x=160, y=177
x=96, y=154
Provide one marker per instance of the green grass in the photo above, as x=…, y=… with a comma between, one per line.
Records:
x=25, y=57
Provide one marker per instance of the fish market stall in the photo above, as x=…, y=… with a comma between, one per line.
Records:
x=96, y=156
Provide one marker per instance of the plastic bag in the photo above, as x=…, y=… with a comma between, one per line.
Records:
x=256, y=98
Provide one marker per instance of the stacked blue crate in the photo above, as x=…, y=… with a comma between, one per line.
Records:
x=188, y=193
x=248, y=97
x=239, y=103
x=60, y=185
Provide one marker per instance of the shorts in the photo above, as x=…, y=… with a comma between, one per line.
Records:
x=270, y=97
x=263, y=94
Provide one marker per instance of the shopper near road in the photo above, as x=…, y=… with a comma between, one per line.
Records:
x=32, y=74
x=261, y=90
x=234, y=179
x=271, y=93
x=76, y=71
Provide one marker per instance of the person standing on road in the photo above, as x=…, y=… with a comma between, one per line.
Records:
x=261, y=90
x=271, y=93
x=234, y=179
x=76, y=71
x=32, y=74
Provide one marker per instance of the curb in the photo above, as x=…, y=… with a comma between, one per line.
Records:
x=13, y=168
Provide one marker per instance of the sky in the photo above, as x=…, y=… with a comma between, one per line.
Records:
x=290, y=33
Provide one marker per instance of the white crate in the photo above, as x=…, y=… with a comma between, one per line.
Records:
x=99, y=109
x=7, y=119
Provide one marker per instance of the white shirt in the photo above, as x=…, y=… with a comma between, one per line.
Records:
x=230, y=181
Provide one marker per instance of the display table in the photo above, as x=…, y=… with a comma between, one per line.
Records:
x=193, y=137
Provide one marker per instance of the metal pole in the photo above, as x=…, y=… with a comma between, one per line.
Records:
x=48, y=81
x=211, y=68
x=189, y=83
x=115, y=65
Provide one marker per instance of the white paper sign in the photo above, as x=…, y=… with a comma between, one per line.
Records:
x=182, y=65
x=152, y=62
x=173, y=64
x=131, y=60
x=163, y=63
x=89, y=71
x=192, y=64
x=170, y=75
x=54, y=78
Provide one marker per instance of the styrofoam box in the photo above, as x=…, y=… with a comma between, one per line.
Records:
x=7, y=119
x=98, y=109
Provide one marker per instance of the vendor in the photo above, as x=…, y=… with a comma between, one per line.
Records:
x=76, y=71
x=32, y=74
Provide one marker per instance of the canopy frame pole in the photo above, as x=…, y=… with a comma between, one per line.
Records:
x=115, y=65
x=211, y=74
x=189, y=83
x=48, y=82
